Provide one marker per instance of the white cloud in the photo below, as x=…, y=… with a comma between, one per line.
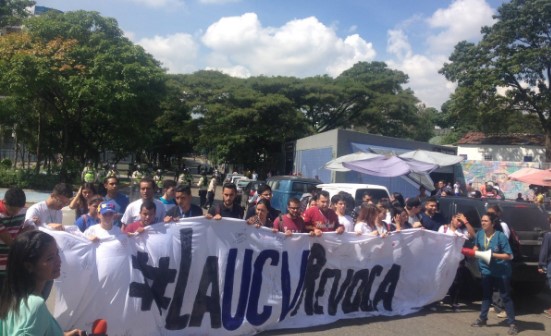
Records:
x=177, y=53
x=301, y=47
x=461, y=21
x=398, y=44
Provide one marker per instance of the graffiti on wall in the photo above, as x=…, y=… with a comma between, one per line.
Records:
x=480, y=172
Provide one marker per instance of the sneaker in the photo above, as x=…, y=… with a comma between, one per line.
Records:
x=502, y=314
x=455, y=307
x=479, y=323
x=547, y=313
x=492, y=309
x=512, y=330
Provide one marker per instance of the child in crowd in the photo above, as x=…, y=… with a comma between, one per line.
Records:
x=105, y=228
x=148, y=210
x=92, y=217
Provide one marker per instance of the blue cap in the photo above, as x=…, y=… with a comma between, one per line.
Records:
x=107, y=207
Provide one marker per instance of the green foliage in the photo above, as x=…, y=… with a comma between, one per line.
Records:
x=84, y=85
x=12, y=12
x=27, y=178
x=505, y=77
x=5, y=164
x=77, y=87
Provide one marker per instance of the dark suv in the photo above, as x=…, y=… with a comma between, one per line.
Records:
x=529, y=222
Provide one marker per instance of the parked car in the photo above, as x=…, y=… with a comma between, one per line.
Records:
x=250, y=193
x=285, y=187
x=526, y=219
x=233, y=178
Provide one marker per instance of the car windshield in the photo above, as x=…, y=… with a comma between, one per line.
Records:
x=242, y=183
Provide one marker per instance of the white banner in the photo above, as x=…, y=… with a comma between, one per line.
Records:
x=224, y=277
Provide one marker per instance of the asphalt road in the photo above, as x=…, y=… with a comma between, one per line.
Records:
x=530, y=321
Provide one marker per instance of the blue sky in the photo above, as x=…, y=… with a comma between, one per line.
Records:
x=301, y=37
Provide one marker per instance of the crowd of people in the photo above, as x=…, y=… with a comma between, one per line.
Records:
x=31, y=254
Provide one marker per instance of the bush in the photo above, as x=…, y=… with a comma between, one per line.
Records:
x=5, y=163
x=27, y=178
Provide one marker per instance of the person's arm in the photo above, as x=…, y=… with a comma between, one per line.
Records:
x=468, y=226
x=506, y=252
x=75, y=202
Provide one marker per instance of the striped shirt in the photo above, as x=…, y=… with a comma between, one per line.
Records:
x=11, y=225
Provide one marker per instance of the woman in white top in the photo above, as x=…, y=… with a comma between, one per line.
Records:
x=365, y=223
x=460, y=227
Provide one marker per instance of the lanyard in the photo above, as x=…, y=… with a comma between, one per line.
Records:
x=487, y=241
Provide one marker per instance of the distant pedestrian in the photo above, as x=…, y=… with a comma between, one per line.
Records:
x=203, y=187
x=211, y=191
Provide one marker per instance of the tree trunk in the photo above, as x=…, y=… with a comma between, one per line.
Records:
x=548, y=145
x=38, y=136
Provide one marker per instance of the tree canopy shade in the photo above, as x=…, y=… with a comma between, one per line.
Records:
x=508, y=72
x=88, y=83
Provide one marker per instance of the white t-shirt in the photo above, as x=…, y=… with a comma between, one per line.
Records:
x=363, y=228
x=413, y=219
x=348, y=223
x=132, y=213
x=45, y=215
x=101, y=233
x=460, y=232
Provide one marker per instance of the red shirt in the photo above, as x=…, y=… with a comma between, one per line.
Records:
x=326, y=221
x=295, y=225
x=131, y=228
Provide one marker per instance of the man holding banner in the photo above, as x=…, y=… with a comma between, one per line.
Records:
x=320, y=218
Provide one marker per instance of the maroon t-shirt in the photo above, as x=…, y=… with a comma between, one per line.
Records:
x=295, y=225
x=131, y=228
x=326, y=221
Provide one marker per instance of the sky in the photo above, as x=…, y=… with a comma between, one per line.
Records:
x=300, y=38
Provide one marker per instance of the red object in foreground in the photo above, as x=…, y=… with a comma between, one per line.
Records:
x=99, y=328
x=468, y=252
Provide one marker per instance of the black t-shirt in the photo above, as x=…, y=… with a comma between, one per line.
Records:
x=236, y=211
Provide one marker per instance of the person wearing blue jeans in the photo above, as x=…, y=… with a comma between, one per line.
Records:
x=497, y=273
x=544, y=264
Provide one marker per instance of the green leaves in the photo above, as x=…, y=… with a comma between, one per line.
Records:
x=505, y=77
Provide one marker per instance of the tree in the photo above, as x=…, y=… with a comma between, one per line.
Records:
x=514, y=56
x=93, y=89
x=12, y=12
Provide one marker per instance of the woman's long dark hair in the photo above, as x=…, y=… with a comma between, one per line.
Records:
x=20, y=282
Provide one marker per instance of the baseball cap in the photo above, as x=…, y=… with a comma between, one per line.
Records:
x=107, y=207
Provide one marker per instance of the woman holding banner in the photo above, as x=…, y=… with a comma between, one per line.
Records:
x=497, y=273
x=33, y=260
